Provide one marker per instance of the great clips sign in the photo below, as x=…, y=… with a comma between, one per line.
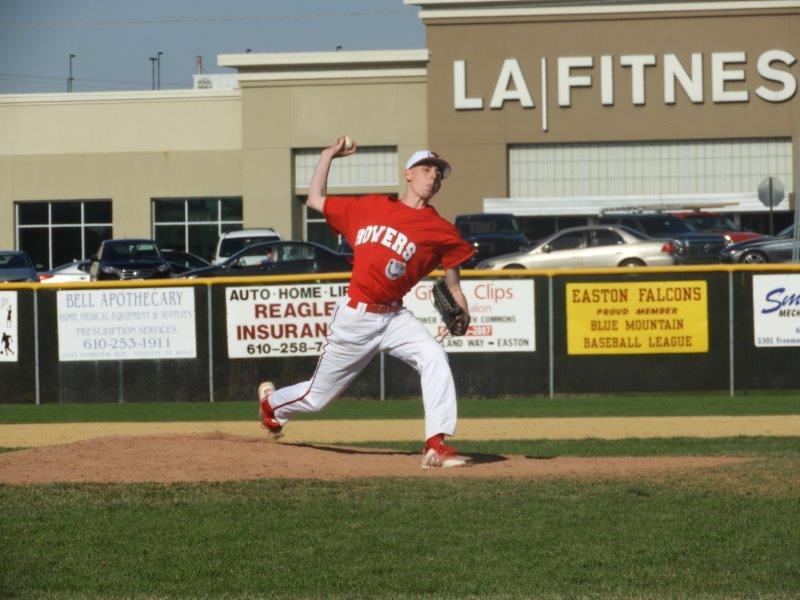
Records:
x=698, y=78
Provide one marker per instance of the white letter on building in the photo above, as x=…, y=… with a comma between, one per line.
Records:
x=637, y=63
x=566, y=81
x=607, y=80
x=719, y=76
x=511, y=72
x=767, y=72
x=460, y=100
x=691, y=84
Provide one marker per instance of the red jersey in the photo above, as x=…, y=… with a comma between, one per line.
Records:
x=394, y=244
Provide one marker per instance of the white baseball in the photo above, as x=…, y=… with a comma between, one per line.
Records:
x=348, y=142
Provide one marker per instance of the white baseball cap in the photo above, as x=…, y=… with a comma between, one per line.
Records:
x=426, y=156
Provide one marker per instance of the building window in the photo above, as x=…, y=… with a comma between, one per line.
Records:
x=373, y=166
x=691, y=168
x=56, y=232
x=195, y=224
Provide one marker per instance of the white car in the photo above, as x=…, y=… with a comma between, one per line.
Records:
x=77, y=270
x=590, y=246
x=233, y=241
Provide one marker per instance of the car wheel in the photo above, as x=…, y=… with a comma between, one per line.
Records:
x=514, y=266
x=632, y=262
x=753, y=257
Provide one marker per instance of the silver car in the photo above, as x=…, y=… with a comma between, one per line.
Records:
x=590, y=246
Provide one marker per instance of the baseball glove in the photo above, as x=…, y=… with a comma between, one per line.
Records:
x=455, y=318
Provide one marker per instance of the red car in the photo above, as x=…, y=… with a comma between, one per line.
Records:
x=718, y=223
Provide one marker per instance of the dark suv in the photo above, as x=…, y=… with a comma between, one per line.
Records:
x=129, y=259
x=491, y=235
x=691, y=247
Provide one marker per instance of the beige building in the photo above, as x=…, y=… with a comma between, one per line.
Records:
x=550, y=110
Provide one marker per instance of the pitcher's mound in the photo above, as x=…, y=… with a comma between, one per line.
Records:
x=225, y=457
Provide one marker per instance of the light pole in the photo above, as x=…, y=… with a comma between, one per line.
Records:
x=153, y=65
x=70, y=79
x=158, y=62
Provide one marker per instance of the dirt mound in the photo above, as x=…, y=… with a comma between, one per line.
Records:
x=226, y=457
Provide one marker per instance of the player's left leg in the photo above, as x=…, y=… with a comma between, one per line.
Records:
x=406, y=338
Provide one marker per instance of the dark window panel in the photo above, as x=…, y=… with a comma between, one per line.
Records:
x=171, y=236
x=320, y=233
x=203, y=209
x=32, y=213
x=97, y=211
x=231, y=209
x=226, y=227
x=203, y=240
x=35, y=243
x=65, y=213
x=94, y=234
x=169, y=211
x=66, y=244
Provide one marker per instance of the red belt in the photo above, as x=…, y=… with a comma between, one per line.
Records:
x=375, y=308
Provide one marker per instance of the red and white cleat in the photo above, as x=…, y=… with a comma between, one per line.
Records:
x=437, y=454
x=265, y=413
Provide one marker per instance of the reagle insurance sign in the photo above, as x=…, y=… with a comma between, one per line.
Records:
x=519, y=81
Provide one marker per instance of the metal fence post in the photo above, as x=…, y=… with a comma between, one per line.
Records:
x=210, y=310
x=550, y=349
x=36, y=345
x=731, y=331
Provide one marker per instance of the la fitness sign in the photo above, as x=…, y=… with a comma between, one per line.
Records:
x=724, y=69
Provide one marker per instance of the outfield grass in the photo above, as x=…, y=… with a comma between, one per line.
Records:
x=731, y=446
x=568, y=406
x=446, y=538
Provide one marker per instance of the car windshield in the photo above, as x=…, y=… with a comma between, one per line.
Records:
x=711, y=223
x=666, y=225
x=630, y=231
x=232, y=245
x=489, y=224
x=13, y=261
x=788, y=232
x=131, y=251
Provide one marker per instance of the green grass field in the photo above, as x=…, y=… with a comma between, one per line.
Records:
x=728, y=532
x=569, y=406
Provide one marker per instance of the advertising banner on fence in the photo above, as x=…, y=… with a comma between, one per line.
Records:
x=9, y=342
x=292, y=320
x=280, y=320
x=126, y=324
x=654, y=317
x=776, y=310
x=502, y=316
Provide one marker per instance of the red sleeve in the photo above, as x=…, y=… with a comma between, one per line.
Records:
x=455, y=250
x=337, y=211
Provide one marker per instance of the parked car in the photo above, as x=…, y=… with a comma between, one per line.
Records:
x=180, y=261
x=16, y=266
x=129, y=259
x=589, y=246
x=278, y=258
x=233, y=241
x=766, y=249
x=718, y=223
x=77, y=270
x=491, y=235
x=690, y=246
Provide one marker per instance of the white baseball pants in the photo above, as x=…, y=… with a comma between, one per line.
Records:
x=354, y=337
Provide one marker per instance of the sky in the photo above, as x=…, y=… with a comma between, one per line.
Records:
x=113, y=40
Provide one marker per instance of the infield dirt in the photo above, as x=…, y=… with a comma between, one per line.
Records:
x=226, y=457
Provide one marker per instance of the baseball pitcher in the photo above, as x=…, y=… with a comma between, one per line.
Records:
x=395, y=244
